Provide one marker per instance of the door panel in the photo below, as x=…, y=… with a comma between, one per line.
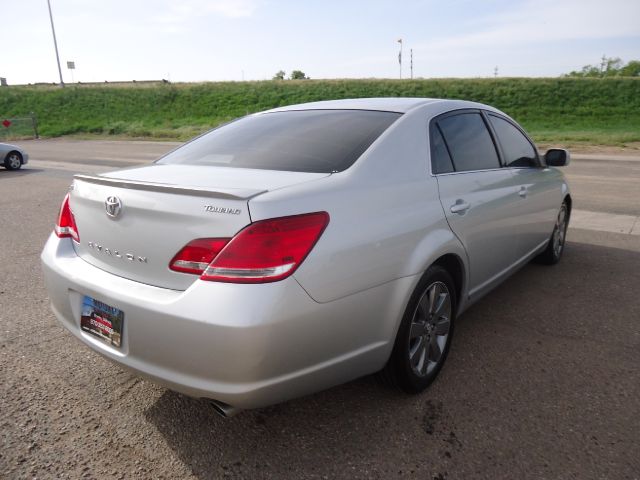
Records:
x=487, y=228
x=537, y=188
x=538, y=210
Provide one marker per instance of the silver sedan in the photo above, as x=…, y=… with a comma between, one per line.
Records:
x=302, y=247
x=12, y=157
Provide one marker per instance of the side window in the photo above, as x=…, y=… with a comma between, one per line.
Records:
x=440, y=159
x=469, y=142
x=518, y=151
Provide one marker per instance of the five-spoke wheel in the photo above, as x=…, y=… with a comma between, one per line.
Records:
x=555, y=247
x=425, y=333
x=13, y=161
x=430, y=328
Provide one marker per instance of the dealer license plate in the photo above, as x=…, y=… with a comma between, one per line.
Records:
x=102, y=320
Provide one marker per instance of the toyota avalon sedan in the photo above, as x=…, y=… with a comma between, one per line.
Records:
x=305, y=246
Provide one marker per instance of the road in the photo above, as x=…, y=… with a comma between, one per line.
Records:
x=543, y=379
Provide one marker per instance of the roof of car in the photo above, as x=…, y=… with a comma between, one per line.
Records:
x=388, y=104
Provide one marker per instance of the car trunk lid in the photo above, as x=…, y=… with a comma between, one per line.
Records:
x=132, y=222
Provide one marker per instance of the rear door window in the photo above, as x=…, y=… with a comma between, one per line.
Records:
x=322, y=141
x=469, y=142
x=440, y=158
x=517, y=150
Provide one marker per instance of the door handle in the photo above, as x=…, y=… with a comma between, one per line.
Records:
x=523, y=192
x=460, y=207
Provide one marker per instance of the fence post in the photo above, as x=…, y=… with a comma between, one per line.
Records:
x=34, y=121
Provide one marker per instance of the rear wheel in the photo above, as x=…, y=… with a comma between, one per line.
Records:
x=13, y=161
x=555, y=247
x=425, y=334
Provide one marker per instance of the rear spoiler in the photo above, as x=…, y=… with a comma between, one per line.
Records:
x=227, y=193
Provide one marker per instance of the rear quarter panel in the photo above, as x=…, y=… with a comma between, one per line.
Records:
x=386, y=219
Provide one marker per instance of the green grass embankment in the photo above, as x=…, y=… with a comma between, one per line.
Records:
x=566, y=110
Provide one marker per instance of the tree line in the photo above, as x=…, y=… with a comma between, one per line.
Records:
x=295, y=75
x=609, y=67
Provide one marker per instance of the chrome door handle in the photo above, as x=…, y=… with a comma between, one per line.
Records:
x=523, y=192
x=460, y=207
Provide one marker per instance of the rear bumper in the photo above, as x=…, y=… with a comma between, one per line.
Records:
x=245, y=345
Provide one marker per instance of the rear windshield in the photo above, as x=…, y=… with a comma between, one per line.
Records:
x=322, y=141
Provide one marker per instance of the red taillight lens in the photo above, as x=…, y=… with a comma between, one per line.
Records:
x=66, y=224
x=196, y=256
x=268, y=250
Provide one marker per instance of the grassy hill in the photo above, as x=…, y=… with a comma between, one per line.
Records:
x=566, y=110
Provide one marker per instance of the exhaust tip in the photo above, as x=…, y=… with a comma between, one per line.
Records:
x=224, y=410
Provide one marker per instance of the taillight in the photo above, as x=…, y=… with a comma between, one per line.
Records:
x=196, y=256
x=66, y=224
x=267, y=250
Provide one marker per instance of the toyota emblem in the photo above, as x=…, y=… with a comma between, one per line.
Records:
x=113, y=205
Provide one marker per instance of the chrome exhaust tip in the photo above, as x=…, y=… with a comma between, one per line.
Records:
x=224, y=410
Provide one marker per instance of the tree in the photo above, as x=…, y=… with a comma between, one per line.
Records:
x=279, y=75
x=298, y=75
x=609, y=67
x=631, y=69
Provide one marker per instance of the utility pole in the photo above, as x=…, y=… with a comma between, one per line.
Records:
x=400, y=57
x=602, y=65
x=411, y=52
x=55, y=43
x=495, y=72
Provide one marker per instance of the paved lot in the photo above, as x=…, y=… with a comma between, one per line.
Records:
x=543, y=380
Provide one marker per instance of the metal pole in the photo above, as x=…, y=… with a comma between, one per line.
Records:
x=411, y=64
x=55, y=43
x=400, y=57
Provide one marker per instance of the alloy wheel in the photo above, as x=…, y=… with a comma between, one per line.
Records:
x=560, y=232
x=430, y=327
x=14, y=161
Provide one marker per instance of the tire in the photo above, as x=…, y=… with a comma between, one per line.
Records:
x=13, y=161
x=425, y=333
x=553, y=253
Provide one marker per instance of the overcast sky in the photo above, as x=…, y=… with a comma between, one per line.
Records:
x=209, y=40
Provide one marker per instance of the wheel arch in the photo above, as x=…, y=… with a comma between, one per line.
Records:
x=441, y=247
x=569, y=202
x=14, y=151
x=454, y=265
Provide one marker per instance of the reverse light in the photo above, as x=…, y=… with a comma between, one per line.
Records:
x=66, y=225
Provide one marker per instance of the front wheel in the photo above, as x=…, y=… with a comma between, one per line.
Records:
x=425, y=333
x=555, y=247
x=13, y=161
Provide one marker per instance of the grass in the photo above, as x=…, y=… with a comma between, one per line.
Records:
x=559, y=110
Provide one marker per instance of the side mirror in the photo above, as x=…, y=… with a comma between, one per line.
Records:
x=557, y=157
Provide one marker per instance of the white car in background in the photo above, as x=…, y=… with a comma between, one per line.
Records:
x=12, y=157
x=299, y=248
